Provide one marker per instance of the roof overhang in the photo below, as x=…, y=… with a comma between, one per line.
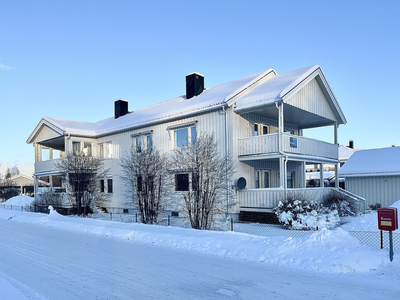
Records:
x=45, y=122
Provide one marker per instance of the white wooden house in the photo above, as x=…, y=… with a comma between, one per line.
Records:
x=258, y=120
x=374, y=174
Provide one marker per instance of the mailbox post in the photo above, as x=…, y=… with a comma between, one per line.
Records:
x=388, y=221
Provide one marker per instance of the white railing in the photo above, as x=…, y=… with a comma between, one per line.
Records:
x=261, y=144
x=268, y=144
x=269, y=198
x=305, y=146
x=46, y=166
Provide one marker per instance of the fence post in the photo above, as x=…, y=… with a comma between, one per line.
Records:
x=136, y=217
x=381, y=239
x=110, y=216
x=169, y=220
x=22, y=208
x=231, y=224
x=35, y=207
x=11, y=206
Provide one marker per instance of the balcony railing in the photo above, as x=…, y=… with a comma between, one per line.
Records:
x=46, y=166
x=290, y=144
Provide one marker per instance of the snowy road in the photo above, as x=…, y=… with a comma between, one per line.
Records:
x=58, y=264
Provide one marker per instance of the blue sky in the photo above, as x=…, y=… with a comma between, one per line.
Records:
x=72, y=59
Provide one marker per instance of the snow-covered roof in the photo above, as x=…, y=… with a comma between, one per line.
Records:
x=273, y=89
x=345, y=152
x=373, y=162
x=244, y=91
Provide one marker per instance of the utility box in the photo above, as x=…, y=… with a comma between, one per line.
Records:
x=388, y=219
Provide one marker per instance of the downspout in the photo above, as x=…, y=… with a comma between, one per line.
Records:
x=281, y=126
x=226, y=158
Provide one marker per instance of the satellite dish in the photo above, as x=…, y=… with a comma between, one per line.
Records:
x=241, y=183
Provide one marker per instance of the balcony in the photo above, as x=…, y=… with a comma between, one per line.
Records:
x=46, y=166
x=290, y=144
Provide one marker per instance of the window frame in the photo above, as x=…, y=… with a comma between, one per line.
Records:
x=74, y=151
x=189, y=140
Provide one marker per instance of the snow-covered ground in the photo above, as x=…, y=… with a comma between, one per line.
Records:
x=324, y=252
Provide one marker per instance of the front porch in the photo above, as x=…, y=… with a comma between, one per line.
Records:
x=265, y=200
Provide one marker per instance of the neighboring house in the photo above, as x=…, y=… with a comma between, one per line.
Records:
x=374, y=175
x=25, y=183
x=258, y=120
x=345, y=152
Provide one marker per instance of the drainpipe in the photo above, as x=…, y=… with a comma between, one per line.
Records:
x=226, y=158
x=280, y=128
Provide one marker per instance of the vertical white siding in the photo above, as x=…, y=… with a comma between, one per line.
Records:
x=379, y=189
x=312, y=99
x=212, y=122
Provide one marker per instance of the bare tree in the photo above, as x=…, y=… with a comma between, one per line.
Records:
x=8, y=188
x=148, y=182
x=83, y=174
x=209, y=173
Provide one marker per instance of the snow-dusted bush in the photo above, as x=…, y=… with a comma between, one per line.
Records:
x=345, y=206
x=375, y=206
x=298, y=213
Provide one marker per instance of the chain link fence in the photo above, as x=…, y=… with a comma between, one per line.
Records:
x=379, y=239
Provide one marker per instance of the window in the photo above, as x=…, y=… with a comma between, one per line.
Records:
x=260, y=129
x=185, y=136
x=109, y=150
x=139, y=183
x=255, y=132
x=101, y=186
x=193, y=135
x=266, y=179
x=181, y=137
x=257, y=179
x=76, y=148
x=149, y=142
x=109, y=186
x=45, y=154
x=181, y=182
x=87, y=149
x=56, y=181
x=138, y=144
x=101, y=150
x=195, y=182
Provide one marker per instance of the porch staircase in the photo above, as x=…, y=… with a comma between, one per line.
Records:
x=258, y=217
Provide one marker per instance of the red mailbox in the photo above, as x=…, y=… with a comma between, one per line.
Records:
x=388, y=219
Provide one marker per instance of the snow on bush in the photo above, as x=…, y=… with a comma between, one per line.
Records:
x=303, y=215
x=345, y=206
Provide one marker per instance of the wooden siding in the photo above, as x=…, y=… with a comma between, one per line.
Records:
x=46, y=133
x=211, y=122
x=379, y=189
x=312, y=99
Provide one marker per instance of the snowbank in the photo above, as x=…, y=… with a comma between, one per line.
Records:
x=333, y=251
x=19, y=201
